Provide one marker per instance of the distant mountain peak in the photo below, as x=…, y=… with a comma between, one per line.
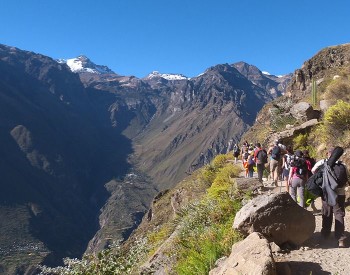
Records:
x=156, y=74
x=84, y=64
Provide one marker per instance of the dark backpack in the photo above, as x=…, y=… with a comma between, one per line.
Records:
x=341, y=174
x=245, y=156
x=301, y=167
x=261, y=157
x=314, y=183
x=276, y=153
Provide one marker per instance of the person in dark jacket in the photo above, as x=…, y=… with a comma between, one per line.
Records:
x=338, y=210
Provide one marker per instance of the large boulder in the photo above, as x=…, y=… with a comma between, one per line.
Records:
x=303, y=111
x=250, y=256
x=247, y=184
x=278, y=218
x=325, y=104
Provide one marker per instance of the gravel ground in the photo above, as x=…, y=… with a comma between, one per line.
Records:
x=318, y=255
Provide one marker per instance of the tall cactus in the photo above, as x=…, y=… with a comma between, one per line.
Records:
x=314, y=93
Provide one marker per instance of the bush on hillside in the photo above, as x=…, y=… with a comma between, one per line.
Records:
x=336, y=124
x=338, y=89
x=222, y=182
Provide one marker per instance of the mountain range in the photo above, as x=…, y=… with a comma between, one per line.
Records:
x=85, y=150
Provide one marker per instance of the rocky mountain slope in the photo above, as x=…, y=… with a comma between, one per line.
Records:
x=57, y=151
x=330, y=69
x=77, y=144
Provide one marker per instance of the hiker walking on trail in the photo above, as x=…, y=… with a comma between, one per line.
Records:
x=338, y=209
x=275, y=152
x=260, y=156
x=236, y=151
x=245, y=163
x=286, y=163
x=298, y=176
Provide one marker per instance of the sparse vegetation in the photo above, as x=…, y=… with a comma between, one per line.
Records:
x=204, y=232
x=336, y=124
x=338, y=88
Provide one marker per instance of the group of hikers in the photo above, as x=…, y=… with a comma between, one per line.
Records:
x=294, y=169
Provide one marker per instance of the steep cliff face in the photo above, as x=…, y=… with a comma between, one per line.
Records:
x=200, y=117
x=179, y=125
x=176, y=125
x=56, y=156
x=328, y=61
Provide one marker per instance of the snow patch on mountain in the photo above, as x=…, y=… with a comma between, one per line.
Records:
x=84, y=64
x=156, y=74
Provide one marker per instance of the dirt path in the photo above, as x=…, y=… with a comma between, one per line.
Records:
x=318, y=255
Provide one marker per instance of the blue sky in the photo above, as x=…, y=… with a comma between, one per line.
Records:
x=135, y=37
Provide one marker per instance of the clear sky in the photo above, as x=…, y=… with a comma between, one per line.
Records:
x=135, y=37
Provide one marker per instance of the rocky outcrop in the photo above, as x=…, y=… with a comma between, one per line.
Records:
x=324, y=105
x=277, y=217
x=250, y=256
x=303, y=111
x=292, y=131
x=318, y=67
x=247, y=184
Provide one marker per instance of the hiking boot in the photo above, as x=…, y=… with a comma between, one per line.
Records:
x=276, y=183
x=341, y=244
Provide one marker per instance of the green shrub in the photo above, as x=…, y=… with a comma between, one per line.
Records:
x=206, y=235
x=335, y=128
x=222, y=182
x=219, y=161
x=300, y=141
x=337, y=117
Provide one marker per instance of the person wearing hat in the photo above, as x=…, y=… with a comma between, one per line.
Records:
x=298, y=176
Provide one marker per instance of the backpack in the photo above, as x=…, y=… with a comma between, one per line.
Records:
x=314, y=183
x=288, y=161
x=235, y=149
x=261, y=157
x=245, y=156
x=301, y=167
x=276, y=153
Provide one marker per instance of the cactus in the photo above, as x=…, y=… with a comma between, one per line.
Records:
x=314, y=93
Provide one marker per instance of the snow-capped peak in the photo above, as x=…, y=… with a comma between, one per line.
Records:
x=84, y=64
x=265, y=73
x=166, y=76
